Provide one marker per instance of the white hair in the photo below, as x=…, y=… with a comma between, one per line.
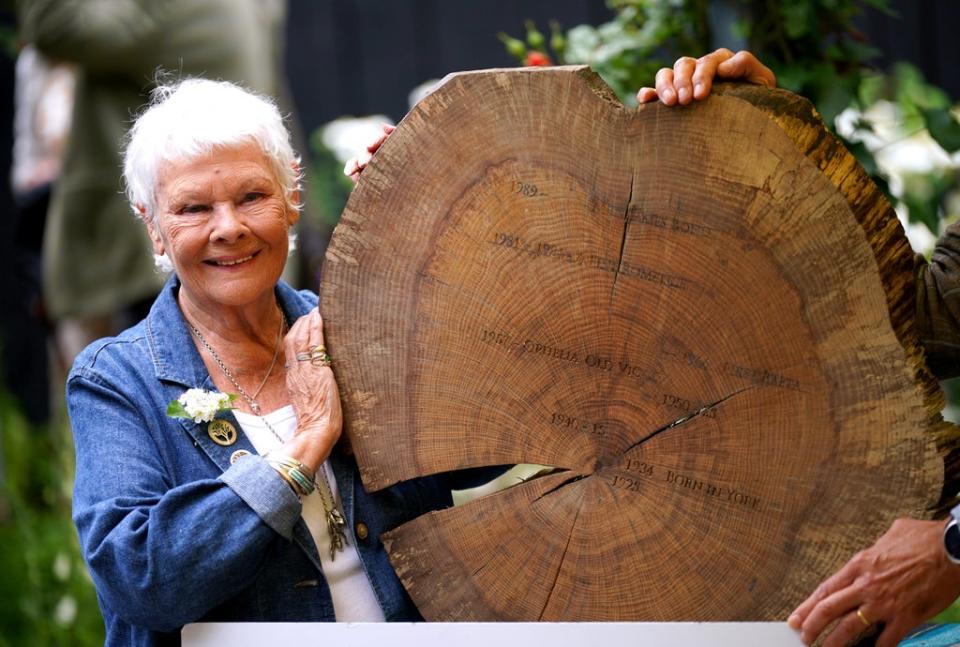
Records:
x=194, y=117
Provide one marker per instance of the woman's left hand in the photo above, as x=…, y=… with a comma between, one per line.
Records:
x=313, y=392
x=692, y=78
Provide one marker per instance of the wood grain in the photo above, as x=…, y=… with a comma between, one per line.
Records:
x=701, y=316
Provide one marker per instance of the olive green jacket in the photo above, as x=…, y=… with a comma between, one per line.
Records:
x=97, y=257
x=938, y=305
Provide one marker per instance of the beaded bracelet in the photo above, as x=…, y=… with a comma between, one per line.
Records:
x=295, y=473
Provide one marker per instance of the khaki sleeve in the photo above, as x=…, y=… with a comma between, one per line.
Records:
x=104, y=36
x=938, y=304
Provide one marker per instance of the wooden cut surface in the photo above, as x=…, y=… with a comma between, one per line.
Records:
x=701, y=316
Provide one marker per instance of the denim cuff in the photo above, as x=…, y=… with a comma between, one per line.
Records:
x=265, y=491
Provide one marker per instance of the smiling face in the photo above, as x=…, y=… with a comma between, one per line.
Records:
x=222, y=220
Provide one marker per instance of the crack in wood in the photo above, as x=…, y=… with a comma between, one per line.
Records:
x=556, y=577
x=546, y=471
x=623, y=239
x=676, y=423
x=687, y=418
x=572, y=479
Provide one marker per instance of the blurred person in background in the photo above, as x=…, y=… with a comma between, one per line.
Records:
x=97, y=273
x=43, y=100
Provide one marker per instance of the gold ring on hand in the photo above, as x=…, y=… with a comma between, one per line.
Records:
x=321, y=359
x=319, y=356
x=866, y=623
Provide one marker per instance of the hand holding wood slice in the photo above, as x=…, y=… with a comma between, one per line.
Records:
x=701, y=316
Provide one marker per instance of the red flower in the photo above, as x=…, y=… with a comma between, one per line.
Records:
x=538, y=59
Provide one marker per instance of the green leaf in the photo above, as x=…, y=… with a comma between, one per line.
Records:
x=858, y=52
x=797, y=18
x=923, y=211
x=873, y=87
x=792, y=78
x=943, y=127
x=514, y=46
x=864, y=156
x=834, y=98
x=535, y=37
x=913, y=91
x=176, y=410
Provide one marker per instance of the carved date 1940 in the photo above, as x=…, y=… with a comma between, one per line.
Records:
x=570, y=422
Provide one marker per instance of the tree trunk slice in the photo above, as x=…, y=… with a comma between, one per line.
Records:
x=702, y=316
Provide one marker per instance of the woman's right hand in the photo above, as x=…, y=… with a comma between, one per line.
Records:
x=313, y=393
x=355, y=165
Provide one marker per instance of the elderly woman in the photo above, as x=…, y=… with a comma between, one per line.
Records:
x=218, y=518
x=192, y=506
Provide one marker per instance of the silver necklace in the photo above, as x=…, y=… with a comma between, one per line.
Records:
x=254, y=407
x=336, y=524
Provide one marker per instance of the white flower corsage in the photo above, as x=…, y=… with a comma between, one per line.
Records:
x=200, y=405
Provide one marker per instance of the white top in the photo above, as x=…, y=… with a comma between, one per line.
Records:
x=353, y=596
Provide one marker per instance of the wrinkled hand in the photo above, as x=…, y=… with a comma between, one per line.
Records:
x=901, y=581
x=355, y=165
x=313, y=393
x=692, y=78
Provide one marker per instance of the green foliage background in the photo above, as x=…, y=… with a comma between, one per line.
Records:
x=48, y=598
x=812, y=46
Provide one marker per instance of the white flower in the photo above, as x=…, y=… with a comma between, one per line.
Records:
x=66, y=611
x=61, y=566
x=203, y=405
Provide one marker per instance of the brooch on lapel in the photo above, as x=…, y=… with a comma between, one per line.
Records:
x=201, y=405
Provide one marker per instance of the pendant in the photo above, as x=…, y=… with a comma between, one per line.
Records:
x=335, y=528
x=222, y=432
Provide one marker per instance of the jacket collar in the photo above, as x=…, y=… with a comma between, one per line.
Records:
x=175, y=358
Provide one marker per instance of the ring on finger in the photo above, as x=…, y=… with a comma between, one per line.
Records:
x=304, y=357
x=321, y=359
x=866, y=623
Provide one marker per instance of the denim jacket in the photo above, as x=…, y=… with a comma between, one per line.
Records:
x=171, y=531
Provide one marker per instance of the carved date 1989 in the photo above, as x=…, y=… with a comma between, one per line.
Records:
x=527, y=190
